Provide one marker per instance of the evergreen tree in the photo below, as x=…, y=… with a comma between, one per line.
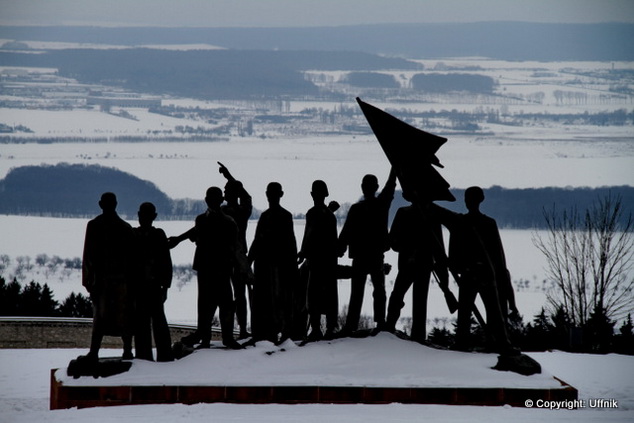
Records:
x=539, y=334
x=9, y=297
x=48, y=306
x=599, y=331
x=624, y=341
x=29, y=299
x=626, y=329
x=562, y=330
x=76, y=305
x=478, y=338
x=441, y=337
x=36, y=300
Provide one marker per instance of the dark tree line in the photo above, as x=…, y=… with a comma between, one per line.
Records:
x=34, y=299
x=554, y=332
x=73, y=190
x=524, y=208
x=204, y=74
x=66, y=190
x=618, y=117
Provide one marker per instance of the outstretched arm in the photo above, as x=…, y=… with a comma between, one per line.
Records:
x=173, y=241
x=446, y=217
x=225, y=172
x=243, y=195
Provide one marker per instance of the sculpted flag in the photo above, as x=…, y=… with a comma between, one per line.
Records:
x=412, y=153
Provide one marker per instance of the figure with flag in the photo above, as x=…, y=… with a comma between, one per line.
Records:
x=412, y=154
x=414, y=236
x=365, y=236
x=474, y=236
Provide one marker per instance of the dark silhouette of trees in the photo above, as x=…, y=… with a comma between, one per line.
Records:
x=589, y=255
x=205, y=74
x=624, y=340
x=9, y=297
x=76, y=305
x=71, y=189
x=34, y=299
x=37, y=300
x=599, y=331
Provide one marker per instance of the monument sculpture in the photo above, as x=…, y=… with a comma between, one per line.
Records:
x=319, y=249
x=417, y=237
x=365, y=236
x=124, y=268
x=108, y=276
x=239, y=206
x=215, y=258
x=411, y=152
x=153, y=279
x=273, y=254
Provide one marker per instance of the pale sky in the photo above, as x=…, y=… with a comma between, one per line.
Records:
x=271, y=13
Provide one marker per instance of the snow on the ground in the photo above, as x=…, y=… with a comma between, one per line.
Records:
x=381, y=361
x=25, y=381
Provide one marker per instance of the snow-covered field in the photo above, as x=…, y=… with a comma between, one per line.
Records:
x=25, y=378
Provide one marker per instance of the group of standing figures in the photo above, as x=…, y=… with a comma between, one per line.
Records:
x=128, y=271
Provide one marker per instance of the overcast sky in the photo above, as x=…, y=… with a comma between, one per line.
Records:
x=266, y=13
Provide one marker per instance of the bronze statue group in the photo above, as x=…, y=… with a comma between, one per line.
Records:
x=128, y=271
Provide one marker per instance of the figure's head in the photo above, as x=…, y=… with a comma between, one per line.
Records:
x=108, y=202
x=369, y=185
x=213, y=197
x=274, y=192
x=232, y=190
x=319, y=190
x=473, y=196
x=146, y=214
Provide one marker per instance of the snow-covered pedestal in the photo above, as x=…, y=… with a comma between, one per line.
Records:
x=379, y=369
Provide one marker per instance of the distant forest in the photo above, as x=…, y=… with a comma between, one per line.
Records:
x=496, y=40
x=204, y=74
x=524, y=208
x=73, y=190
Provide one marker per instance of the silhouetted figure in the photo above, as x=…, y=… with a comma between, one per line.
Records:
x=107, y=274
x=216, y=237
x=418, y=240
x=300, y=292
x=239, y=207
x=274, y=254
x=319, y=249
x=477, y=257
x=153, y=279
x=365, y=235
